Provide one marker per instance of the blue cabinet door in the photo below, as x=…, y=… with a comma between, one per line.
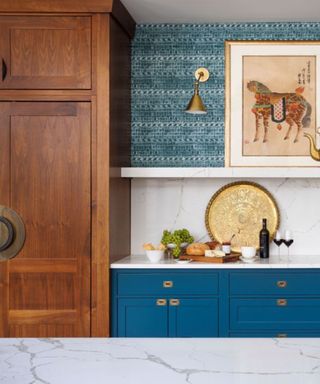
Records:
x=196, y=317
x=142, y=318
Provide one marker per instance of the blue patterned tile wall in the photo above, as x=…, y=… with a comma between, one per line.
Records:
x=164, y=58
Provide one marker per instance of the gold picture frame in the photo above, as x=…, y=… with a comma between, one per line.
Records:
x=252, y=69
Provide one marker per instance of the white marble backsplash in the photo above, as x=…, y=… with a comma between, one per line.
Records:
x=159, y=204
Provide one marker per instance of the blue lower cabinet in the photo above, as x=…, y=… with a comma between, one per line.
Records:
x=275, y=313
x=173, y=317
x=193, y=317
x=216, y=303
x=142, y=317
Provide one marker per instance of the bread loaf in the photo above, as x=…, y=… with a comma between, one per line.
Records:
x=197, y=249
x=214, y=244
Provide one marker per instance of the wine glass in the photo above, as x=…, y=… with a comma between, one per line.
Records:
x=278, y=243
x=288, y=240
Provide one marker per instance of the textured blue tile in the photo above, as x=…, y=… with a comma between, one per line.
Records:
x=164, y=58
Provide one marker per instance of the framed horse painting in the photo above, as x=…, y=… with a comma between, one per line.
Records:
x=272, y=103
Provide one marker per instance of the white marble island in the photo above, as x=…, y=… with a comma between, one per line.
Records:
x=158, y=361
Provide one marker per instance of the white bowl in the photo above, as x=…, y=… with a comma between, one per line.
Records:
x=155, y=256
x=248, y=252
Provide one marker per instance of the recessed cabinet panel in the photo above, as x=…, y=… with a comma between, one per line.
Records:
x=275, y=313
x=194, y=318
x=48, y=174
x=143, y=318
x=45, y=52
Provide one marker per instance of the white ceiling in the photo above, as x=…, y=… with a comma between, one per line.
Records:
x=210, y=11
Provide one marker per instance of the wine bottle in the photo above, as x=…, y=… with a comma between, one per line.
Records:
x=264, y=240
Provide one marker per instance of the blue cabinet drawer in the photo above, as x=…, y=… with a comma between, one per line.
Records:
x=273, y=334
x=275, y=283
x=275, y=314
x=167, y=283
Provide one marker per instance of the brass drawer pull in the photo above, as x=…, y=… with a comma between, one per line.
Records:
x=167, y=284
x=161, y=302
x=282, y=302
x=282, y=335
x=175, y=302
x=282, y=284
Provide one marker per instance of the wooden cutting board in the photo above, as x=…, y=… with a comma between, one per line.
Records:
x=233, y=257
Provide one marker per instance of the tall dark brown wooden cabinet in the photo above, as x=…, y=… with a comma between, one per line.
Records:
x=64, y=134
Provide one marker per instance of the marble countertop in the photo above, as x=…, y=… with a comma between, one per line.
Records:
x=142, y=262
x=158, y=361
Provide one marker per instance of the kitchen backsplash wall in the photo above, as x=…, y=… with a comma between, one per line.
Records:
x=164, y=58
x=172, y=204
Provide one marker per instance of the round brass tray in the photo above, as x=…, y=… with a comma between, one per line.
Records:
x=238, y=209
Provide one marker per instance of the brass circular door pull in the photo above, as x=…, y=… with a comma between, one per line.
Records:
x=12, y=233
x=10, y=236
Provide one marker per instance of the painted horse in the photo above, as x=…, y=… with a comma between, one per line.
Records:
x=292, y=108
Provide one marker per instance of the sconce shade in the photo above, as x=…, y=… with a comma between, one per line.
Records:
x=196, y=106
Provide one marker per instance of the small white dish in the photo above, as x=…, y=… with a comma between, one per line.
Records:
x=155, y=256
x=248, y=252
x=182, y=261
x=249, y=260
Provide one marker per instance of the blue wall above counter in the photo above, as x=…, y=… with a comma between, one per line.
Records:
x=164, y=58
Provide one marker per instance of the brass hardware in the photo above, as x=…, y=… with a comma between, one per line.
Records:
x=4, y=70
x=202, y=75
x=282, y=335
x=282, y=302
x=174, y=302
x=12, y=233
x=167, y=284
x=282, y=284
x=196, y=105
x=161, y=302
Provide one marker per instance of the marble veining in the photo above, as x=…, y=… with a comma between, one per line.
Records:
x=172, y=361
x=159, y=204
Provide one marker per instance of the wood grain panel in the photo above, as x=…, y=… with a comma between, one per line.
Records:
x=49, y=290
x=42, y=330
x=46, y=52
x=100, y=185
x=50, y=187
x=51, y=165
x=56, y=6
x=44, y=265
x=123, y=18
x=47, y=317
x=4, y=200
x=120, y=141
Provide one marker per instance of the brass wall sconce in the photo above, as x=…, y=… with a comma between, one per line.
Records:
x=196, y=105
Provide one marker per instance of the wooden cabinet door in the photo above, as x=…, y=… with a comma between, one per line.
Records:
x=45, y=176
x=45, y=52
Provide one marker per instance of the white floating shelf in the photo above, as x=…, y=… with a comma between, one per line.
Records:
x=236, y=173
